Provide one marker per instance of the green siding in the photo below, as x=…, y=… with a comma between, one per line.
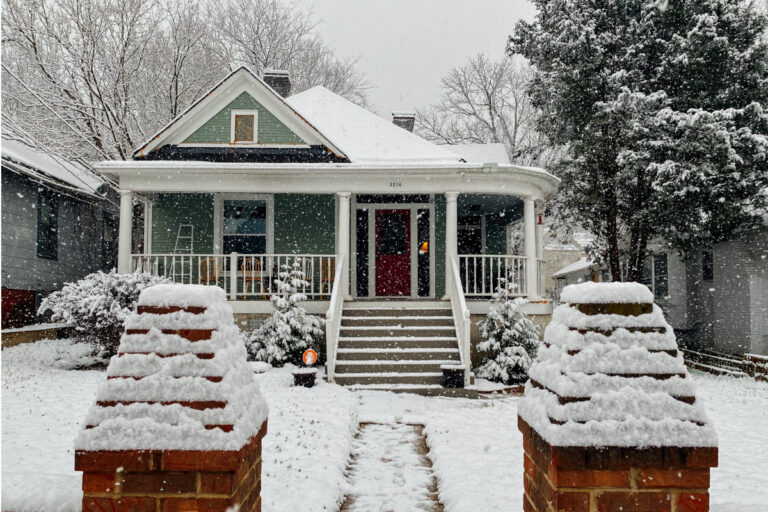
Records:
x=169, y=211
x=495, y=235
x=439, y=245
x=305, y=223
x=218, y=128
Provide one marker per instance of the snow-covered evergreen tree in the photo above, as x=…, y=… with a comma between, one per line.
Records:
x=662, y=106
x=509, y=338
x=284, y=336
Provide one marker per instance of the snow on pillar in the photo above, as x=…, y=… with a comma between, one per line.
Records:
x=610, y=419
x=451, y=231
x=125, y=232
x=178, y=422
x=531, y=275
x=342, y=232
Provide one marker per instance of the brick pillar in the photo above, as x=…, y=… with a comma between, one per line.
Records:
x=178, y=424
x=608, y=350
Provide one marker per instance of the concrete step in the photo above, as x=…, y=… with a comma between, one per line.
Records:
x=425, y=390
x=347, y=379
x=396, y=342
x=397, y=354
x=389, y=321
x=397, y=366
x=396, y=331
x=394, y=311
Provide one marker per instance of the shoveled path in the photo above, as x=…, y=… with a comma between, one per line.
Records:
x=390, y=471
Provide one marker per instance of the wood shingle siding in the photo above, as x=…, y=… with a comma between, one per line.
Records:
x=218, y=128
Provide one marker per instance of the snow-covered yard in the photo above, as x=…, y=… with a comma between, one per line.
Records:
x=475, y=447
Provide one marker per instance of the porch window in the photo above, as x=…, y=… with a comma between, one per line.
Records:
x=245, y=227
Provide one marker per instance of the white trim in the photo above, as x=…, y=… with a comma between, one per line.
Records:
x=244, y=112
x=218, y=216
x=147, y=227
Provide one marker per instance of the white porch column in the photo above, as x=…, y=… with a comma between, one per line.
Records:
x=529, y=219
x=342, y=236
x=125, y=232
x=451, y=231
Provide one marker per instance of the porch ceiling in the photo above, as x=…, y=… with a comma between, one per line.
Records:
x=186, y=176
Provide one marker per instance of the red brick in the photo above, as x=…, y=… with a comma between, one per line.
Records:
x=138, y=504
x=693, y=502
x=216, y=483
x=679, y=478
x=634, y=501
x=159, y=482
x=98, y=482
x=527, y=505
x=194, y=505
x=199, y=460
x=701, y=458
x=109, y=461
x=593, y=478
x=572, y=501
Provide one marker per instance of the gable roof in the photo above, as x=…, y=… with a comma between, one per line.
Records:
x=23, y=157
x=362, y=135
x=209, y=104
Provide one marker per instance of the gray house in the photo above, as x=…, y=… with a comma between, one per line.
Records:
x=58, y=225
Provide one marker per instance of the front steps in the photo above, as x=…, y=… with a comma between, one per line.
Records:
x=397, y=346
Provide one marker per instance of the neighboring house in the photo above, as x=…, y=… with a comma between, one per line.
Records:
x=250, y=178
x=58, y=225
x=718, y=299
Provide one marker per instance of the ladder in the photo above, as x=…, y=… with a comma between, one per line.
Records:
x=181, y=270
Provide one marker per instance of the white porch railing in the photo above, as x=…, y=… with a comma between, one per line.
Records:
x=242, y=276
x=480, y=273
x=460, y=316
x=333, y=318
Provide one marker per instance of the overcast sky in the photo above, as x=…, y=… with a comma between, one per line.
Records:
x=406, y=46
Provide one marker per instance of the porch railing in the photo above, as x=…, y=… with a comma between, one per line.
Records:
x=333, y=318
x=242, y=276
x=460, y=316
x=481, y=273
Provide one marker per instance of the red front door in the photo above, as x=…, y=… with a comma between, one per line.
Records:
x=393, y=254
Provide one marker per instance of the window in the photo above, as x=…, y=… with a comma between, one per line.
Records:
x=707, y=266
x=656, y=275
x=245, y=227
x=244, y=126
x=47, y=225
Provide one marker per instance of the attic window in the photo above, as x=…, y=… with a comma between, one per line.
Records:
x=244, y=124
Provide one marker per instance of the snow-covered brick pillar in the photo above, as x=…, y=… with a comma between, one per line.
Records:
x=610, y=419
x=178, y=423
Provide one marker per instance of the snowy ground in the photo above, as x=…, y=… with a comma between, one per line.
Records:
x=474, y=445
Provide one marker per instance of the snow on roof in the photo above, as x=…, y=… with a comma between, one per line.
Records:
x=173, y=386
x=362, y=135
x=607, y=376
x=481, y=153
x=51, y=165
x=576, y=266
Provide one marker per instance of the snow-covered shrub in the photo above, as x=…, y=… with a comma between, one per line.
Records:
x=284, y=336
x=509, y=338
x=96, y=306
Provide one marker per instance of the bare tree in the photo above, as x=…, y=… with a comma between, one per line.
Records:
x=485, y=101
x=96, y=77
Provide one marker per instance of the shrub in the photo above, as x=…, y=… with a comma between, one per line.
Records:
x=284, y=336
x=96, y=306
x=509, y=338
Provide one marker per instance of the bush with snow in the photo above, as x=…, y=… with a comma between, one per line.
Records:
x=290, y=330
x=96, y=306
x=509, y=338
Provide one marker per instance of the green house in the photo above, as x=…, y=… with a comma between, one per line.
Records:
x=250, y=178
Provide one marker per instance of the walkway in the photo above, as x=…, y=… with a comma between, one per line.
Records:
x=390, y=471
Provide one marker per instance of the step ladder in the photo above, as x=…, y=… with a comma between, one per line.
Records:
x=181, y=270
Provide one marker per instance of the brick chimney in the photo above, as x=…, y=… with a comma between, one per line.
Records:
x=404, y=120
x=278, y=80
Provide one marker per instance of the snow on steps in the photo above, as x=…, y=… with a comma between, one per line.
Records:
x=397, y=346
x=716, y=363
